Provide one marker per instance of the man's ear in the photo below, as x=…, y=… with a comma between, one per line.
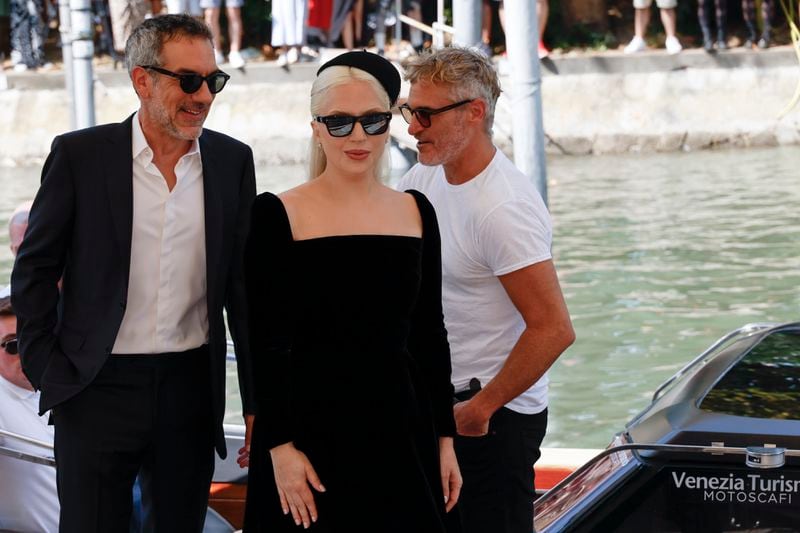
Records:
x=142, y=82
x=478, y=110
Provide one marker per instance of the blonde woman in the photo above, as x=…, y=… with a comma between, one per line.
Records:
x=354, y=423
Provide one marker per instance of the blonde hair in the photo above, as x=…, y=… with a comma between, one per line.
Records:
x=467, y=72
x=327, y=79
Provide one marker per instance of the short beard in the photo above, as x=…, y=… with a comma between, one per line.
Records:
x=452, y=149
x=161, y=116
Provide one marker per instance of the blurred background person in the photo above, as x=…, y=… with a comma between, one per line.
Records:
x=17, y=224
x=347, y=22
x=319, y=21
x=28, y=34
x=189, y=7
x=125, y=16
x=542, y=12
x=28, y=496
x=233, y=9
x=704, y=18
x=289, y=29
x=749, y=13
x=669, y=18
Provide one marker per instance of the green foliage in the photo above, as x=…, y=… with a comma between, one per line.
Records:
x=257, y=22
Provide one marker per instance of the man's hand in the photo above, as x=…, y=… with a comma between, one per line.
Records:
x=244, y=451
x=471, y=420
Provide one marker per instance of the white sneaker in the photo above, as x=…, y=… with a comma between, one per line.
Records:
x=20, y=67
x=292, y=56
x=218, y=57
x=235, y=59
x=637, y=44
x=282, y=59
x=673, y=45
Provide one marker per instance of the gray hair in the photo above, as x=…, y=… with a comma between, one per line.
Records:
x=467, y=72
x=147, y=40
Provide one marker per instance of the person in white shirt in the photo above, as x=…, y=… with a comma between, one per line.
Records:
x=506, y=318
x=145, y=221
x=28, y=497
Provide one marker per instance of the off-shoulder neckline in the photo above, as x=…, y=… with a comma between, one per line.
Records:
x=349, y=235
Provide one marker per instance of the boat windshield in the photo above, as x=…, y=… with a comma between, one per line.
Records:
x=765, y=383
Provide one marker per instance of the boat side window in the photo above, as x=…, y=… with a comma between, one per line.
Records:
x=765, y=383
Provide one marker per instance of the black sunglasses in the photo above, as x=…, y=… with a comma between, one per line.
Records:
x=191, y=83
x=342, y=125
x=424, y=115
x=11, y=346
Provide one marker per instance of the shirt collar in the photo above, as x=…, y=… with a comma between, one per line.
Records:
x=139, y=142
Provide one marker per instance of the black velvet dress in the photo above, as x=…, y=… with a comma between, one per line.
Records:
x=352, y=364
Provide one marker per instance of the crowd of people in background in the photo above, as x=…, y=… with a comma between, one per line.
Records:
x=341, y=23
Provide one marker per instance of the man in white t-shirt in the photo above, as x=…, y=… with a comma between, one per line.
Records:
x=28, y=497
x=505, y=315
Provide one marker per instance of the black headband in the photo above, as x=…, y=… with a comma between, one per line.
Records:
x=380, y=68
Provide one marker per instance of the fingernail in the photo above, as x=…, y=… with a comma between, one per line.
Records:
x=445, y=499
x=297, y=522
x=313, y=518
x=286, y=511
x=305, y=525
x=321, y=488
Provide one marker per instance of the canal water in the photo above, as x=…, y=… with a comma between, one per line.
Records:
x=658, y=256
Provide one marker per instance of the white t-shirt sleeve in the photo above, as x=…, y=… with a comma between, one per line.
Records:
x=408, y=180
x=514, y=235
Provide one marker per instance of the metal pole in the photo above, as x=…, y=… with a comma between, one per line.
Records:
x=65, y=29
x=82, y=54
x=438, y=37
x=398, y=27
x=380, y=29
x=467, y=22
x=522, y=38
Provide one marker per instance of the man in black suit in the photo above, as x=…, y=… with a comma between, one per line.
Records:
x=146, y=221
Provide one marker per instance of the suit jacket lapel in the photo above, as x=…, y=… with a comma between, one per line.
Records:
x=118, y=166
x=212, y=196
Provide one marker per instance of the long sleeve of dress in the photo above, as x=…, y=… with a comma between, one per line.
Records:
x=427, y=341
x=267, y=272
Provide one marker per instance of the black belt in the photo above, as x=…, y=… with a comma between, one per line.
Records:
x=474, y=388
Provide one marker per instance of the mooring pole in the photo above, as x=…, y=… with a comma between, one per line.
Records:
x=65, y=29
x=82, y=54
x=522, y=39
x=467, y=22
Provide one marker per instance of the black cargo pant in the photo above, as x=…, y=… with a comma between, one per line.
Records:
x=498, y=491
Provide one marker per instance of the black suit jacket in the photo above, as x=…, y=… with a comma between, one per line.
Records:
x=80, y=228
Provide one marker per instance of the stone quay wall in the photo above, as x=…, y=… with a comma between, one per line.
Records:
x=592, y=104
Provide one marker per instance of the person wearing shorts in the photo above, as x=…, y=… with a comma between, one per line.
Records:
x=669, y=17
x=189, y=7
x=211, y=9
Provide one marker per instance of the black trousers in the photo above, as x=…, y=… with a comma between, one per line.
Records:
x=498, y=491
x=147, y=415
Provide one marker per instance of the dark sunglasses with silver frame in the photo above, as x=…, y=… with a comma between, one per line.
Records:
x=342, y=125
x=190, y=83
x=424, y=115
x=11, y=346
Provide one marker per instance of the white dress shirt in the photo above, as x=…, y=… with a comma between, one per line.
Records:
x=167, y=309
